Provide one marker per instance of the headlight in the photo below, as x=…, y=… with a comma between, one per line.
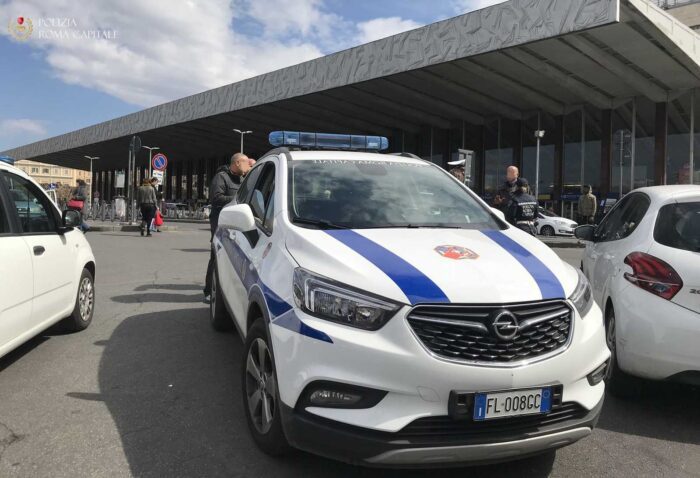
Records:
x=330, y=300
x=582, y=296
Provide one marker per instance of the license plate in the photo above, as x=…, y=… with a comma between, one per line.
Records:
x=511, y=404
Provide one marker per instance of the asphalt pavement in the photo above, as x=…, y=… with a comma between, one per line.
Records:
x=150, y=390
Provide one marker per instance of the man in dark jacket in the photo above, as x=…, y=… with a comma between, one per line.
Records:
x=507, y=189
x=522, y=208
x=222, y=191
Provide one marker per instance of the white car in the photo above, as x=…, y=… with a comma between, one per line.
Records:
x=47, y=267
x=549, y=224
x=643, y=261
x=391, y=318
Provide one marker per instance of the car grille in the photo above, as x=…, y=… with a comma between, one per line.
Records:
x=448, y=427
x=461, y=332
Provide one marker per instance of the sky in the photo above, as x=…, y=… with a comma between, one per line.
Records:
x=88, y=62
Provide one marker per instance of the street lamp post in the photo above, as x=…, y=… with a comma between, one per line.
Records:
x=242, y=133
x=91, y=158
x=150, y=158
x=539, y=134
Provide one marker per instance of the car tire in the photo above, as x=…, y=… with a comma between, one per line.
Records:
x=547, y=231
x=618, y=383
x=260, y=392
x=84, y=308
x=219, y=317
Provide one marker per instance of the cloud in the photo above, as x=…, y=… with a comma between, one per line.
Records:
x=10, y=127
x=464, y=6
x=383, y=27
x=163, y=50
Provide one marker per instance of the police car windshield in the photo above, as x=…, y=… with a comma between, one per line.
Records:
x=360, y=194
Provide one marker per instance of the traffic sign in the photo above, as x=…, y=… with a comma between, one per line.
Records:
x=158, y=175
x=159, y=162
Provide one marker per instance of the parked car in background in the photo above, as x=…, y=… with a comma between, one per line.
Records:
x=549, y=224
x=47, y=268
x=643, y=262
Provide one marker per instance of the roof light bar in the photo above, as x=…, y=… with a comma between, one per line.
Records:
x=328, y=141
x=7, y=159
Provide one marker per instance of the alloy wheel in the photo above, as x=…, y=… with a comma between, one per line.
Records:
x=86, y=297
x=261, y=386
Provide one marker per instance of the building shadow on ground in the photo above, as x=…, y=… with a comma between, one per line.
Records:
x=172, y=387
x=145, y=287
x=670, y=412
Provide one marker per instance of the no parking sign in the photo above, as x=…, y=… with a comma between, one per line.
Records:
x=159, y=162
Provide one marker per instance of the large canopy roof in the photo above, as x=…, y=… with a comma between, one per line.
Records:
x=506, y=60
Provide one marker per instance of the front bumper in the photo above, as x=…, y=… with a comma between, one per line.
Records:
x=361, y=446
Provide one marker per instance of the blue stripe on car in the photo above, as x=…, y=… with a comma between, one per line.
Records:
x=412, y=282
x=549, y=285
x=281, y=312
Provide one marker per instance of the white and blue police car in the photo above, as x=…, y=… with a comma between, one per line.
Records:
x=391, y=318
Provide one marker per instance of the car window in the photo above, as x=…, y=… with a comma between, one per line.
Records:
x=624, y=218
x=4, y=221
x=678, y=226
x=261, y=199
x=248, y=182
x=31, y=205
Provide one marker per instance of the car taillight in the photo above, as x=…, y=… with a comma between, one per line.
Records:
x=653, y=275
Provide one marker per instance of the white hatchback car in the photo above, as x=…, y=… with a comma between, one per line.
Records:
x=47, y=269
x=549, y=224
x=391, y=318
x=643, y=261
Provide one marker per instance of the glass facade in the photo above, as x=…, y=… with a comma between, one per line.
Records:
x=678, y=152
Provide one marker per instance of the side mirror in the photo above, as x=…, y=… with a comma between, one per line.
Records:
x=585, y=233
x=499, y=213
x=238, y=217
x=70, y=219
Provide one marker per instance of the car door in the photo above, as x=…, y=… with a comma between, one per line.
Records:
x=53, y=255
x=610, y=246
x=253, y=245
x=230, y=261
x=16, y=278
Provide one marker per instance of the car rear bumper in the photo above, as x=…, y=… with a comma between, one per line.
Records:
x=360, y=446
x=656, y=338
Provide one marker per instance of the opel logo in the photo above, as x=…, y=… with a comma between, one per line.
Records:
x=505, y=325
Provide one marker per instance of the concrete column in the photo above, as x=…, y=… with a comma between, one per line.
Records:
x=201, y=177
x=606, y=150
x=660, y=143
x=558, y=163
x=178, y=181
x=518, y=149
x=189, y=178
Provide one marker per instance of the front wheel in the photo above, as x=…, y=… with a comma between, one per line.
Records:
x=84, y=308
x=547, y=231
x=260, y=393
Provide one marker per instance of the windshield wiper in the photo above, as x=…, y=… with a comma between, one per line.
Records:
x=320, y=223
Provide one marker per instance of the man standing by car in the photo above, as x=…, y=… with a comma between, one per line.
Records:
x=505, y=193
x=587, y=206
x=223, y=189
x=522, y=208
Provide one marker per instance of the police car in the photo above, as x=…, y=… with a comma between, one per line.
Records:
x=391, y=318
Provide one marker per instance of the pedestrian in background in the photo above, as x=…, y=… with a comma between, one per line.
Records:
x=224, y=186
x=587, y=206
x=159, y=197
x=79, y=197
x=146, y=199
x=457, y=169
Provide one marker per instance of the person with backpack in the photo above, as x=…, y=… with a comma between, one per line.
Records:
x=521, y=210
x=146, y=199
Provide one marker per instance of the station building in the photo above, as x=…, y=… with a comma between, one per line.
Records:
x=615, y=85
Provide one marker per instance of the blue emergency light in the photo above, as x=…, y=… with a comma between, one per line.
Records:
x=7, y=159
x=354, y=142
